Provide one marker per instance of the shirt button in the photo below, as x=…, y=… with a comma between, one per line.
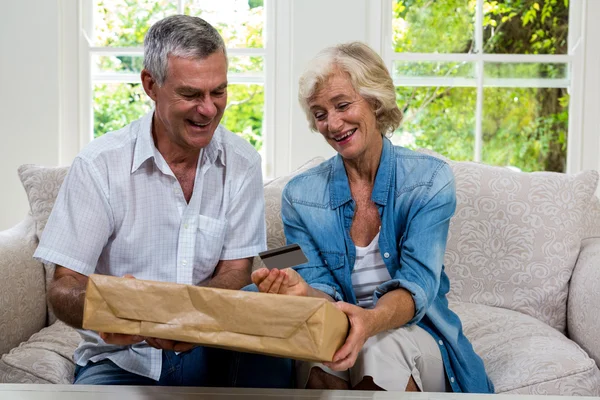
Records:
x=386, y=254
x=441, y=343
x=325, y=262
x=452, y=380
x=184, y=263
x=185, y=226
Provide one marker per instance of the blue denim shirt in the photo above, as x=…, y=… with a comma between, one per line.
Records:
x=416, y=198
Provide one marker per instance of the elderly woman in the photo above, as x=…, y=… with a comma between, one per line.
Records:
x=373, y=222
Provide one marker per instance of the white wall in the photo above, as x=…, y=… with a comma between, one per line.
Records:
x=29, y=93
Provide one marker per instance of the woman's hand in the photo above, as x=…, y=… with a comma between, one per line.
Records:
x=360, y=322
x=280, y=281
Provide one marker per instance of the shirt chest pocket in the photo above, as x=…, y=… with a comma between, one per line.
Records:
x=333, y=261
x=210, y=238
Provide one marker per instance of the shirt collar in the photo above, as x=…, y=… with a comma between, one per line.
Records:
x=339, y=191
x=145, y=148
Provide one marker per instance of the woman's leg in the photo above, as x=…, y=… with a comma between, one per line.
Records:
x=401, y=359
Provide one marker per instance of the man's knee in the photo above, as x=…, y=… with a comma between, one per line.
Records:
x=106, y=372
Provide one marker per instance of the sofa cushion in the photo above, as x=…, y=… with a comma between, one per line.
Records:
x=524, y=355
x=515, y=237
x=273, y=190
x=47, y=357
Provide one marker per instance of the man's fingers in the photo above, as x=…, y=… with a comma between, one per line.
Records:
x=128, y=276
x=120, y=339
x=183, y=346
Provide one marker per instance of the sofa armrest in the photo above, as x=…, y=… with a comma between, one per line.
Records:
x=584, y=299
x=22, y=286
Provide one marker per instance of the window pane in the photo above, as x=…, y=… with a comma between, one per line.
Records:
x=525, y=128
x=441, y=119
x=118, y=104
x=525, y=27
x=117, y=64
x=525, y=70
x=425, y=26
x=433, y=69
x=119, y=23
x=240, y=22
x=245, y=110
x=247, y=65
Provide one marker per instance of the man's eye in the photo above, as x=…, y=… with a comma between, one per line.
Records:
x=189, y=96
x=219, y=93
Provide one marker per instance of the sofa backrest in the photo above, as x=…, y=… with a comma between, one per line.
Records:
x=515, y=237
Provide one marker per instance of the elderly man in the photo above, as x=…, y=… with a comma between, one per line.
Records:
x=171, y=197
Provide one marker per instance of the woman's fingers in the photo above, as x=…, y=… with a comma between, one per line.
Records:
x=259, y=275
x=275, y=287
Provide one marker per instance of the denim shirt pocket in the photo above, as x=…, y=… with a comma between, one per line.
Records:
x=333, y=260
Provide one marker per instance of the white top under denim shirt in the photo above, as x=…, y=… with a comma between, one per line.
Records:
x=122, y=211
x=416, y=198
x=368, y=273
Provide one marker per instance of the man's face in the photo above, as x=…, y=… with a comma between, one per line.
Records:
x=191, y=101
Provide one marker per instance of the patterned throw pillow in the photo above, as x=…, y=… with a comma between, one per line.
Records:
x=42, y=185
x=515, y=237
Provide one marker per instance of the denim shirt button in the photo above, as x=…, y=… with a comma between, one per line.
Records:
x=325, y=262
x=452, y=380
x=441, y=343
x=386, y=254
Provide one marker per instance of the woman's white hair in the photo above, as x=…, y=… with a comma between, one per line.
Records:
x=368, y=75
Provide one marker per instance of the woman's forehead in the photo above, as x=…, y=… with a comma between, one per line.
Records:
x=335, y=85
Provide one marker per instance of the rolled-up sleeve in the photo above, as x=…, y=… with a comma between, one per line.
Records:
x=423, y=244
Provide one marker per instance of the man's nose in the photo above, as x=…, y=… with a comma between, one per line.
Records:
x=206, y=108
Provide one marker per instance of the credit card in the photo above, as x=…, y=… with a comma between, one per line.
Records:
x=283, y=257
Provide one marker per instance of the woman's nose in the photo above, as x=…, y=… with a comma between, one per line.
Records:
x=334, y=123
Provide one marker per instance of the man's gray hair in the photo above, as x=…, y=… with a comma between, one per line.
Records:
x=181, y=36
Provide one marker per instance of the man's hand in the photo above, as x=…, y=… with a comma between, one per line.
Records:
x=285, y=281
x=360, y=321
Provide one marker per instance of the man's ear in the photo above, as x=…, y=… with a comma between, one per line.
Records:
x=149, y=84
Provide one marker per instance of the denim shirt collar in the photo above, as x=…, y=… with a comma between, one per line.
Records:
x=339, y=191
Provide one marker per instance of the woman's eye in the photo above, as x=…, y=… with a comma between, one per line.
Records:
x=343, y=106
x=320, y=116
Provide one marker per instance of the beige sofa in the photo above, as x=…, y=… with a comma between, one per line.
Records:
x=523, y=258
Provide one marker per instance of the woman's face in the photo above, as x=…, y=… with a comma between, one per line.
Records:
x=344, y=118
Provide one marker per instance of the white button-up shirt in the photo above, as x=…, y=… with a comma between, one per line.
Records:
x=122, y=211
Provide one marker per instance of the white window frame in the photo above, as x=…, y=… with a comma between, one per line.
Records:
x=573, y=81
x=87, y=79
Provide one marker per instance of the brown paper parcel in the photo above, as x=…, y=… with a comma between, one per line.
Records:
x=303, y=328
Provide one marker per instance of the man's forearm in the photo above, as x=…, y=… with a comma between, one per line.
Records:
x=230, y=280
x=67, y=297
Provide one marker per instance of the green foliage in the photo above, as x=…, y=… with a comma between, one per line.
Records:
x=117, y=104
x=522, y=127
